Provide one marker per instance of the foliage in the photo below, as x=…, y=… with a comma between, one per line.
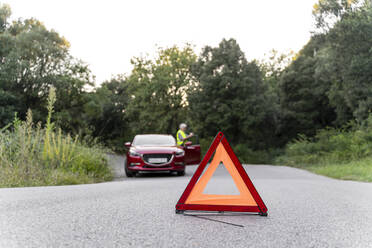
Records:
x=249, y=156
x=329, y=83
x=106, y=113
x=274, y=65
x=230, y=95
x=339, y=153
x=33, y=58
x=245, y=154
x=31, y=155
x=304, y=103
x=273, y=68
x=157, y=90
x=349, y=57
x=205, y=144
x=331, y=145
x=328, y=12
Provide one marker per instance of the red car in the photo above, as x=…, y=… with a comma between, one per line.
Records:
x=156, y=152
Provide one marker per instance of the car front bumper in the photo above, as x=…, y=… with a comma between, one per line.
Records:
x=166, y=168
x=138, y=164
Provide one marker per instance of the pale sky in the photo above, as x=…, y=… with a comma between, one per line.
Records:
x=107, y=34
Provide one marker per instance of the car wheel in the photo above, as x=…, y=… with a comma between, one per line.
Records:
x=127, y=172
x=181, y=173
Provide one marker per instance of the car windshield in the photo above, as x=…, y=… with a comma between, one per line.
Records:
x=154, y=140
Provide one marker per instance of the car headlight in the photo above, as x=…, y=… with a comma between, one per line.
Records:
x=180, y=152
x=134, y=153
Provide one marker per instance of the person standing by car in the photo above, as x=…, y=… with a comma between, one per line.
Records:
x=181, y=135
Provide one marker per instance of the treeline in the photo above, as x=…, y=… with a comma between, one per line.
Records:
x=259, y=105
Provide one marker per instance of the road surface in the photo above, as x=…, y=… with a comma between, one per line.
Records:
x=305, y=210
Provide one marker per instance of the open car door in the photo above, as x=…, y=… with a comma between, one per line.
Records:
x=192, y=151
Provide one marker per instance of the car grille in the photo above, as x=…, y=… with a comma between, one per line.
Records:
x=147, y=158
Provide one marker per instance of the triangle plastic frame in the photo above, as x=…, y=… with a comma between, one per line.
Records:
x=182, y=206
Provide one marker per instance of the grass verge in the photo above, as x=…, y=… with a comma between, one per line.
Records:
x=355, y=170
x=34, y=156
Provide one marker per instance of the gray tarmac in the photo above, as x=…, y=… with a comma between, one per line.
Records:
x=305, y=210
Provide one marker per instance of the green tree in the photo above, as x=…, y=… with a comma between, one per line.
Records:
x=273, y=68
x=274, y=65
x=33, y=58
x=303, y=94
x=5, y=13
x=8, y=101
x=327, y=12
x=157, y=89
x=106, y=113
x=230, y=96
x=329, y=83
x=349, y=57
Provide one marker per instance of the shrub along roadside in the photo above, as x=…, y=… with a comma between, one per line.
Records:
x=344, y=153
x=245, y=154
x=34, y=156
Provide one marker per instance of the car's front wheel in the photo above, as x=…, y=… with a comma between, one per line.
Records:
x=127, y=172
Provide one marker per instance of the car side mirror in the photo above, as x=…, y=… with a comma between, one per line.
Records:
x=127, y=144
x=188, y=143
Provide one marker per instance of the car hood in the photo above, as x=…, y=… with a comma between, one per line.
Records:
x=155, y=149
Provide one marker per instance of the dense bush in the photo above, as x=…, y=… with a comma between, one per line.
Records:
x=249, y=156
x=350, y=143
x=245, y=154
x=31, y=155
x=205, y=143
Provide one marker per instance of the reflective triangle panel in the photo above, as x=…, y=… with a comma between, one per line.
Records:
x=248, y=199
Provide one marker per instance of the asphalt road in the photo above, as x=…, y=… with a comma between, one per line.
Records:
x=305, y=210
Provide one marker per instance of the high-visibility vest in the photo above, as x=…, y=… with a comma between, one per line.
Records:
x=179, y=141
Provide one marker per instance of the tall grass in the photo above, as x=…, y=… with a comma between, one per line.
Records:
x=344, y=153
x=350, y=143
x=33, y=156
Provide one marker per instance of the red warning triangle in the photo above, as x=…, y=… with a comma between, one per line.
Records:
x=193, y=197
